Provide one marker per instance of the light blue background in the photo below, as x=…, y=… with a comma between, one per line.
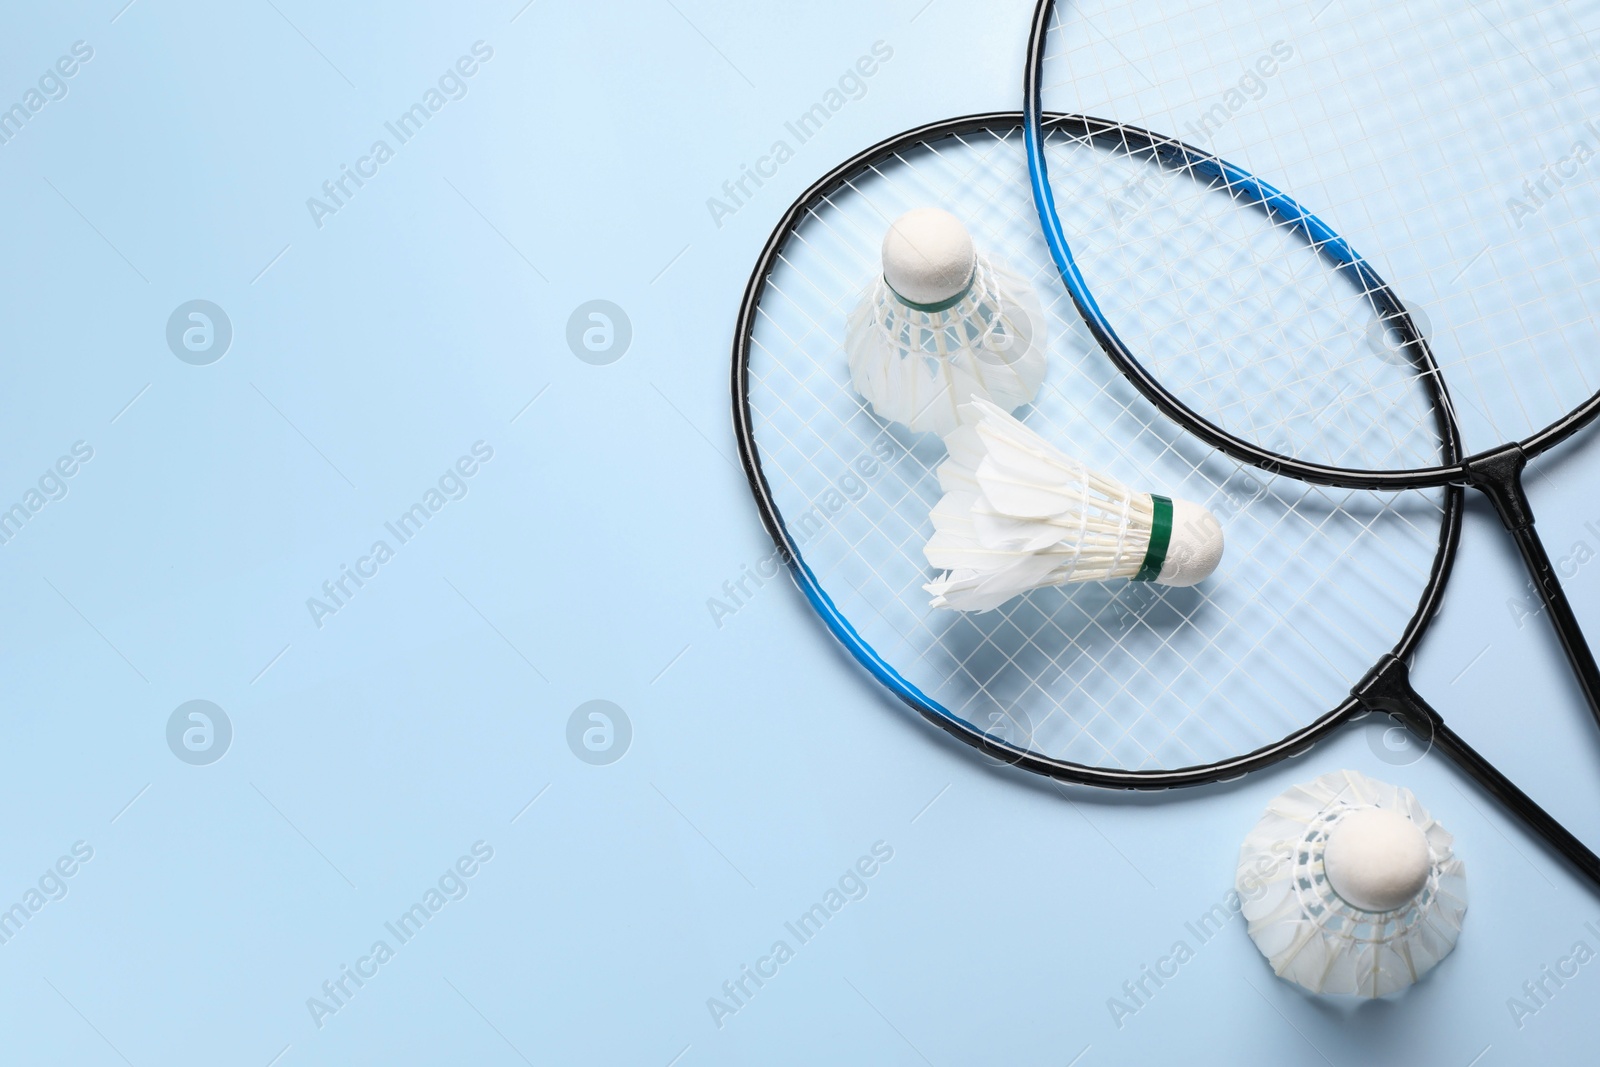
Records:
x=370, y=753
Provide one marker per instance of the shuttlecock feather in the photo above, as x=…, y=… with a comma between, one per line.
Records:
x=1018, y=514
x=1350, y=887
x=941, y=325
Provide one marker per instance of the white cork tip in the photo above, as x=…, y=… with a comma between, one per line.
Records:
x=1195, y=549
x=928, y=256
x=1377, y=859
x=1350, y=887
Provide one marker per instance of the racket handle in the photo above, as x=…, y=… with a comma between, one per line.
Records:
x=1498, y=475
x=1388, y=689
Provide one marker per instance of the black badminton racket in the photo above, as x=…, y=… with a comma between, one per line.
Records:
x=1452, y=143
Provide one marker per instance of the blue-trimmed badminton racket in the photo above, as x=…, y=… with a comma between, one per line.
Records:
x=1322, y=594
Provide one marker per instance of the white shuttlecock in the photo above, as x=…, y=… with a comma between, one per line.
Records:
x=1350, y=887
x=941, y=325
x=1017, y=514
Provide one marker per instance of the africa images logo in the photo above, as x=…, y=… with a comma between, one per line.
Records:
x=199, y=332
x=852, y=885
x=452, y=885
x=199, y=732
x=851, y=85
x=337, y=192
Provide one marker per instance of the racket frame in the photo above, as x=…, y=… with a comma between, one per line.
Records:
x=744, y=426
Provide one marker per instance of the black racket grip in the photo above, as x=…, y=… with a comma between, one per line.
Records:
x=1498, y=475
x=1388, y=689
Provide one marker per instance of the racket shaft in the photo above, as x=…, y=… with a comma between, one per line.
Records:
x=1561, y=615
x=1388, y=689
x=1499, y=476
x=1519, y=803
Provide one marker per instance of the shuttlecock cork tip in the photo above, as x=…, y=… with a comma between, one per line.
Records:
x=1377, y=859
x=1194, y=547
x=928, y=257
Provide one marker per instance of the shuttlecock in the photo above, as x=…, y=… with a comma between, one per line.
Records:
x=941, y=325
x=1017, y=514
x=1350, y=887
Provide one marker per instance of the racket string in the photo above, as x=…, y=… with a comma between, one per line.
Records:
x=1112, y=676
x=1443, y=139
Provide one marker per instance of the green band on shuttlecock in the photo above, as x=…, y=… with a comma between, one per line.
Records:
x=1160, y=538
x=943, y=305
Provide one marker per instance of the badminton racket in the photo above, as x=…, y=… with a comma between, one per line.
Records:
x=1322, y=595
x=1455, y=144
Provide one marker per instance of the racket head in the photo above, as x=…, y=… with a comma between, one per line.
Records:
x=1116, y=684
x=1192, y=271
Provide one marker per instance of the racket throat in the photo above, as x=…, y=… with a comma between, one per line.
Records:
x=1387, y=688
x=1497, y=474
